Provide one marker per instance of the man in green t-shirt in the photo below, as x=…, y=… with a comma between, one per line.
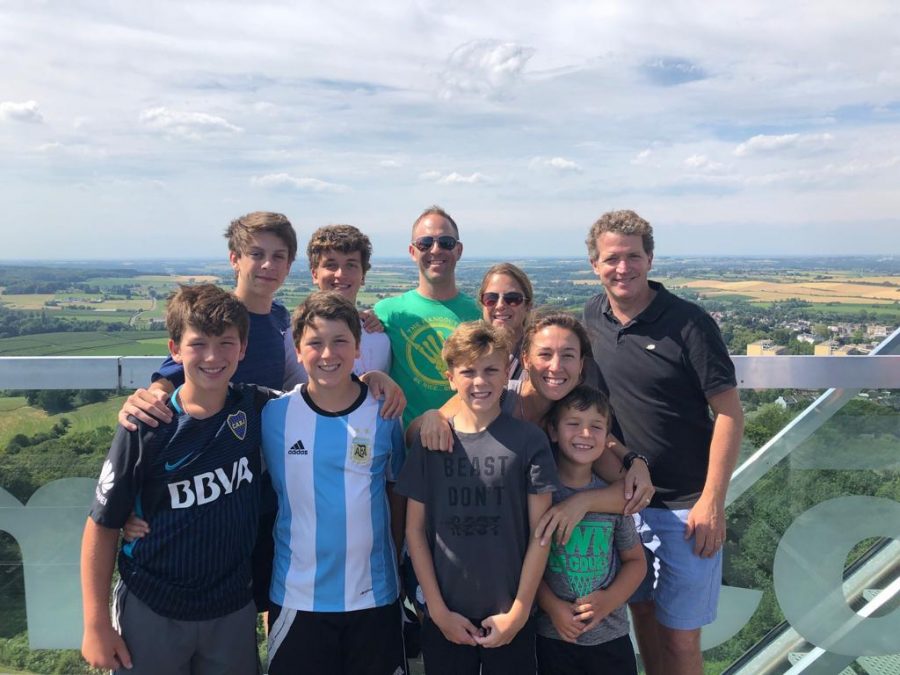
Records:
x=419, y=321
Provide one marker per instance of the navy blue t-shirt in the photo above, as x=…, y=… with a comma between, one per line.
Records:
x=196, y=482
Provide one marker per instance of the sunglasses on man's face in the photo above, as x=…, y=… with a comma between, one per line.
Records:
x=513, y=298
x=445, y=241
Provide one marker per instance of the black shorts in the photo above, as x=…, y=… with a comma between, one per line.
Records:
x=443, y=657
x=558, y=657
x=364, y=642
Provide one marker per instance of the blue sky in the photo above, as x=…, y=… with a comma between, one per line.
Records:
x=131, y=131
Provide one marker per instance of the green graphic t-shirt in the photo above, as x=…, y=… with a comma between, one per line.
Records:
x=589, y=561
x=417, y=327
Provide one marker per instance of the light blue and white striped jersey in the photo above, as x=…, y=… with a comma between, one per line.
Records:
x=333, y=546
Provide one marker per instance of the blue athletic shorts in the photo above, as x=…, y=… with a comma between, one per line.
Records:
x=683, y=586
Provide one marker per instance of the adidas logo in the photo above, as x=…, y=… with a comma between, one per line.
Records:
x=298, y=449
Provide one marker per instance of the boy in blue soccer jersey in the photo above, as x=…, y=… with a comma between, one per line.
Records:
x=183, y=604
x=332, y=457
x=471, y=515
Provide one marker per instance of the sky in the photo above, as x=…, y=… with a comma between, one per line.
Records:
x=132, y=131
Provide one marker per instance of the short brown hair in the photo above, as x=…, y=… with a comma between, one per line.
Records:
x=435, y=210
x=514, y=273
x=471, y=341
x=205, y=308
x=342, y=238
x=327, y=305
x=540, y=320
x=620, y=222
x=240, y=230
x=580, y=398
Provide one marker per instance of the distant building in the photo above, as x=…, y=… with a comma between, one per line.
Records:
x=807, y=337
x=765, y=348
x=832, y=348
x=874, y=331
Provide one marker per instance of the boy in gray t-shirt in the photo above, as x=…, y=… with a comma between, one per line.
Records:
x=583, y=625
x=471, y=516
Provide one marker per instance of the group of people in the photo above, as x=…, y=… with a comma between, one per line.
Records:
x=546, y=472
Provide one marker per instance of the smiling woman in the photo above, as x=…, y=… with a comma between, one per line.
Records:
x=506, y=299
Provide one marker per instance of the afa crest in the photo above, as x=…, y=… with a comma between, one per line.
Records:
x=237, y=422
x=361, y=450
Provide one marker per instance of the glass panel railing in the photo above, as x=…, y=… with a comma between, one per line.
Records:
x=811, y=559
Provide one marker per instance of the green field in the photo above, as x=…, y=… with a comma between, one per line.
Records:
x=29, y=421
x=125, y=343
x=846, y=310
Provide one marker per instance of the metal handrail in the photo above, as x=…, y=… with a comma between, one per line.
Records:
x=753, y=372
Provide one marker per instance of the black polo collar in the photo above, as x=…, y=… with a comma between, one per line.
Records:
x=651, y=312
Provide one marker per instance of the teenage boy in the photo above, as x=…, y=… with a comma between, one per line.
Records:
x=262, y=247
x=419, y=321
x=470, y=517
x=583, y=625
x=673, y=387
x=339, y=257
x=332, y=458
x=183, y=603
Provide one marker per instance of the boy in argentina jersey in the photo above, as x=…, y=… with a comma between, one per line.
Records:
x=332, y=458
x=183, y=603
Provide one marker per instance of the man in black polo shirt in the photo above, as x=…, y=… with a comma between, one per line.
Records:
x=665, y=366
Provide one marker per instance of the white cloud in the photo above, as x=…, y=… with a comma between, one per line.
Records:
x=484, y=68
x=304, y=184
x=453, y=178
x=187, y=124
x=390, y=164
x=26, y=111
x=642, y=157
x=768, y=144
x=556, y=163
x=702, y=163
x=75, y=150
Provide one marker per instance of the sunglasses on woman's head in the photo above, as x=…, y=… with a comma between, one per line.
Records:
x=513, y=298
x=445, y=241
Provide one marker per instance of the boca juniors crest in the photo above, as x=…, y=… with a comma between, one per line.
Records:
x=237, y=422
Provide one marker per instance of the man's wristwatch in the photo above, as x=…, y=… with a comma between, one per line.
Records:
x=628, y=459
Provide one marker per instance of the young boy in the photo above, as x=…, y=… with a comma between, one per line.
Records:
x=583, y=625
x=332, y=456
x=470, y=516
x=339, y=257
x=183, y=603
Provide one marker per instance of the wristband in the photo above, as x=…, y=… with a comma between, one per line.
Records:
x=628, y=459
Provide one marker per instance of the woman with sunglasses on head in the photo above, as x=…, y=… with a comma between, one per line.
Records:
x=555, y=349
x=506, y=298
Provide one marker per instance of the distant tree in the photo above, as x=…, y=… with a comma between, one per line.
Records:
x=51, y=400
x=86, y=396
x=765, y=423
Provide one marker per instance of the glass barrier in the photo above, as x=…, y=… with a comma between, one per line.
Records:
x=810, y=581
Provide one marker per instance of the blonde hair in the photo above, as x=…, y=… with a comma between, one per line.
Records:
x=471, y=341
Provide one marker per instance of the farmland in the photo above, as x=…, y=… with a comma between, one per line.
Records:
x=873, y=290
x=125, y=343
